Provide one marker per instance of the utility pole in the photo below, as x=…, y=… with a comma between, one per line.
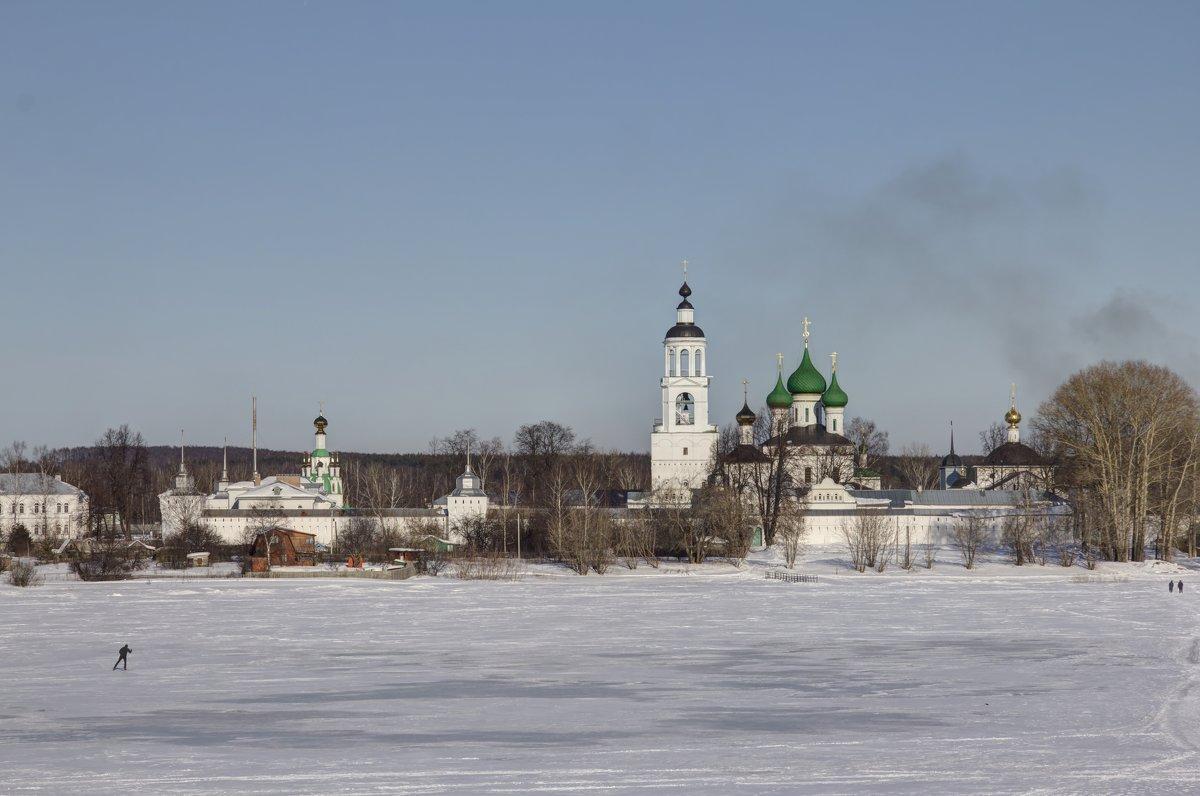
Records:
x=518, y=537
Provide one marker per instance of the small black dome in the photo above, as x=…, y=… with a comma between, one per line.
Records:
x=746, y=417
x=952, y=460
x=684, y=290
x=685, y=305
x=685, y=330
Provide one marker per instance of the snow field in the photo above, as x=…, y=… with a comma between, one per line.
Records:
x=707, y=681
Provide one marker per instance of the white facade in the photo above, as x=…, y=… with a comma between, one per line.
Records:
x=683, y=441
x=304, y=502
x=928, y=517
x=44, y=505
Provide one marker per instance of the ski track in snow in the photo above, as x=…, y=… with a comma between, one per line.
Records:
x=711, y=683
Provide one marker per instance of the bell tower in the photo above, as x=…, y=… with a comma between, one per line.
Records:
x=683, y=441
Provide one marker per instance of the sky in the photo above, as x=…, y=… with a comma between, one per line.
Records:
x=447, y=215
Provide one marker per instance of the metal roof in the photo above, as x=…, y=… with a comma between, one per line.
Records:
x=35, y=484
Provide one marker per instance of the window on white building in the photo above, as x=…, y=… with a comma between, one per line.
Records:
x=672, y=360
x=699, y=362
x=683, y=363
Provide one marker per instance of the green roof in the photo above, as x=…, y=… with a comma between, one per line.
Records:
x=779, y=398
x=807, y=380
x=835, y=397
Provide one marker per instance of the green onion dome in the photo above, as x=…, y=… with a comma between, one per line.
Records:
x=835, y=397
x=807, y=380
x=779, y=398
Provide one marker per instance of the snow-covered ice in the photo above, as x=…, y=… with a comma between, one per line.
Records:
x=709, y=681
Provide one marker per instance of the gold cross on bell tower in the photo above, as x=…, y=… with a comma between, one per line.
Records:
x=684, y=264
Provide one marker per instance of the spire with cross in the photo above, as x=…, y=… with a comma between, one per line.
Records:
x=833, y=356
x=806, y=324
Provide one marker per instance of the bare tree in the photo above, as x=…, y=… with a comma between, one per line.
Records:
x=869, y=540
x=917, y=466
x=542, y=446
x=929, y=552
x=790, y=531
x=119, y=478
x=970, y=533
x=771, y=484
x=868, y=439
x=1128, y=429
x=904, y=557
x=993, y=437
x=1020, y=530
x=725, y=519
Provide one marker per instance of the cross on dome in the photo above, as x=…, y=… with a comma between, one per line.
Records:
x=807, y=323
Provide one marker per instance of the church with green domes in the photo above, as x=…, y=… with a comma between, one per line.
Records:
x=807, y=414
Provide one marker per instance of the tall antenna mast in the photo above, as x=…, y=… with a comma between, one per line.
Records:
x=254, y=435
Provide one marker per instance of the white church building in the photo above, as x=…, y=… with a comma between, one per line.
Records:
x=822, y=469
x=311, y=501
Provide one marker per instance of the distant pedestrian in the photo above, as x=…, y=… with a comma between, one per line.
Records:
x=1181, y=585
x=1171, y=586
x=123, y=658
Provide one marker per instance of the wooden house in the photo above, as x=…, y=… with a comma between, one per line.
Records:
x=283, y=547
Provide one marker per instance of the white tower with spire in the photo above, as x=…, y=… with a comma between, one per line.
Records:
x=683, y=442
x=321, y=468
x=181, y=506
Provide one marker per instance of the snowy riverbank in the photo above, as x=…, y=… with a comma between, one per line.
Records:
x=705, y=680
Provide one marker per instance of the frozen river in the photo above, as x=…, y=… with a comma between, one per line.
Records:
x=701, y=683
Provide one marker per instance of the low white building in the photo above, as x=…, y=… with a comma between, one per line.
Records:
x=42, y=504
x=311, y=501
x=919, y=517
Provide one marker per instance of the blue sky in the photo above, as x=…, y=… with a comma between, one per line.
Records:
x=448, y=215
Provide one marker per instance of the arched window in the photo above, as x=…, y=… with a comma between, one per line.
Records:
x=683, y=363
x=685, y=410
x=808, y=475
x=835, y=424
x=672, y=358
x=806, y=414
x=699, y=362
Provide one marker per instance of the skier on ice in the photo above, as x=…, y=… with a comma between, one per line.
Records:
x=123, y=659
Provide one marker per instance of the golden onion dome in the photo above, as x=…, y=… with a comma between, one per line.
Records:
x=1012, y=417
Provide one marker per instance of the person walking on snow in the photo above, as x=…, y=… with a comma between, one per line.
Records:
x=1181, y=585
x=1171, y=586
x=123, y=659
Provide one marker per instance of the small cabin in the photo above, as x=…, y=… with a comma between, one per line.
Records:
x=197, y=559
x=437, y=544
x=283, y=547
